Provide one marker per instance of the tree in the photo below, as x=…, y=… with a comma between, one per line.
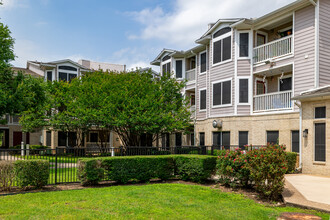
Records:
x=130, y=103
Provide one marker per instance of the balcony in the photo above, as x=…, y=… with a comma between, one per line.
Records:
x=272, y=101
x=190, y=75
x=273, y=50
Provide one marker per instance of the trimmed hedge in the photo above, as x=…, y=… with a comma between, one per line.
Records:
x=196, y=168
x=7, y=175
x=31, y=172
x=143, y=168
x=291, y=158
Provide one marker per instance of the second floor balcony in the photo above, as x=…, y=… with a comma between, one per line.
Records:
x=273, y=50
x=190, y=75
x=272, y=101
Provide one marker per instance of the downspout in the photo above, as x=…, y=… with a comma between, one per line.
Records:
x=300, y=133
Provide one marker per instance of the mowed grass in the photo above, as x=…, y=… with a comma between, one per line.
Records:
x=64, y=175
x=154, y=201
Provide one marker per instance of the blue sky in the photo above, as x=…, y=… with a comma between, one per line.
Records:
x=127, y=32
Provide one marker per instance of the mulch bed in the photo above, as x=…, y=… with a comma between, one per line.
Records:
x=249, y=193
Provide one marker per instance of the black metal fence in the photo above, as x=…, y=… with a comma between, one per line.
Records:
x=63, y=161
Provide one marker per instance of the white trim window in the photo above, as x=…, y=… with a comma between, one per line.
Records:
x=179, y=69
x=202, y=100
x=202, y=62
x=244, y=44
x=285, y=83
x=222, y=93
x=67, y=73
x=49, y=75
x=222, y=46
x=166, y=64
x=243, y=90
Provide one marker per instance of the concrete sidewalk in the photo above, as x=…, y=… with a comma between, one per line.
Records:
x=307, y=191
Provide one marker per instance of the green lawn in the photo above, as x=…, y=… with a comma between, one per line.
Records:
x=156, y=201
x=63, y=175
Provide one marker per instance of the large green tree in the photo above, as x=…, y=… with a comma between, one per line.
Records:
x=129, y=103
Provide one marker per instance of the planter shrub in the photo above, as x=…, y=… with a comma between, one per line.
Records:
x=140, y=168
x=7, y=175
x=89, y=171
x=196, y=168
x=291, y=158
x=231, y=168
x=267, y=169
x=31, y=173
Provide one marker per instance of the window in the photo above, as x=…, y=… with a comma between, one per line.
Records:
x=261, y=39
x=178, y=139
x=272, y=137
x=16, y=119
x=202, y=100
x=165, y=140
x=261, y=87
x=285, y=84
x=48, y=138
x=202, y=139
x=243, y=90
x=166, y=68
x=93, y=137
x=67, y=77
x=167, y=57
x=67, y=68
x=178, y=69
x=221, y=139
x=295, y=141
x=320, y=112
x=62, y=138
x=49, y=75
x=222, y=45
x=243, y=139
x=320, y=146
x=192, y=139
x=146, y=140
x=243, y=44
x=222, y=93
x=203, y=62
x=192, y=100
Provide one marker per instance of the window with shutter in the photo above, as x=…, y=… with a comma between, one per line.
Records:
x=244, y=44
x=203, y=63
x=243, y=90
x=202, y=100
x=178, y=69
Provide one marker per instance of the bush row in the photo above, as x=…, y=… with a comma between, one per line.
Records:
x=23, y=173
x=263, y=169
x=196, y=168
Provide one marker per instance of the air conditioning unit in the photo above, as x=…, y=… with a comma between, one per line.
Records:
x=217, y=124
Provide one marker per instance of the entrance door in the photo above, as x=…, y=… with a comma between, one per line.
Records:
x=17, y=138
x=320, y=147
x=261, y=87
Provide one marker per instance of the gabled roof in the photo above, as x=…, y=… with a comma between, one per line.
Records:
x=157, y=60
x=54, y=63
x=314, y=93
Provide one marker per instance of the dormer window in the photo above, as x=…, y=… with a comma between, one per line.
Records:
x=222, y=45
x=67, y=73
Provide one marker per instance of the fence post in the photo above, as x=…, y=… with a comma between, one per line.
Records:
x=112, y=152
x=27, y=149
x=55, y=165
x=22, y=149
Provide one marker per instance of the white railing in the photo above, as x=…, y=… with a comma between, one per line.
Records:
x=193, y=108
x=272, y=101
x=273, y=49
x=190, y=75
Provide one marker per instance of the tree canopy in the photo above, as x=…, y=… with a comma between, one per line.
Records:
x=129, y=103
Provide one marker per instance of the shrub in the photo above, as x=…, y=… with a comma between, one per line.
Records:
x=7, y=175
x=31, y=172
x=196, y=168
x=231, y=168
x=89, y=171
x=141, y=168
x=267, y=168
x=291, y=158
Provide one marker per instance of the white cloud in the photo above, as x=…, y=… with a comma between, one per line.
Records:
x=189, y=18
x=11, y=4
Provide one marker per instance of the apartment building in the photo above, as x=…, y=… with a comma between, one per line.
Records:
x=11, y=134
x=243, y=74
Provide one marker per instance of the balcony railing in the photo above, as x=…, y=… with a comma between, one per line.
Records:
x=272, y=101
x=274, y=49
x=190, y=75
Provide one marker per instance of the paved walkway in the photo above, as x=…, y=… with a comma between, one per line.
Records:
x=307, y=191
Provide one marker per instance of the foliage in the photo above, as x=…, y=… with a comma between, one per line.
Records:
x=231, y=168
x=151, y=201
x=31, y=173
x=267, y=168
x=7, y=175
x=130, y=103
x=196, y=168
x=89, y=171
x=291, y=158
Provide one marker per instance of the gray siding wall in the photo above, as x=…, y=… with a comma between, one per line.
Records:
x=221, y=72
x=200, y=84
x=243, y=110
x=324, y=51
x=244, y=67
x=304, y=45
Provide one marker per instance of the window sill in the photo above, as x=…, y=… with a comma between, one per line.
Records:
x=319, y=163
x=222, y=106
x=243, y=58
x=243, y=104
x=203, y=73
x=223, y=62
x=203, y=110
